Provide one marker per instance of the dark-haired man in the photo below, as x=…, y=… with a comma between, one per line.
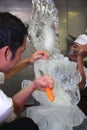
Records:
x=13, y=35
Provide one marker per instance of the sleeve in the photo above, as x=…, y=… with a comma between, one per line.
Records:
x=2, y=78
x=6, y=108
x=85, y=69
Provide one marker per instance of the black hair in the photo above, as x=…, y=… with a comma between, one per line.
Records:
x=12, y=31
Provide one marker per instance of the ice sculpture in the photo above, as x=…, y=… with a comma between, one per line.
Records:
x=44, y=15
x=63, y=113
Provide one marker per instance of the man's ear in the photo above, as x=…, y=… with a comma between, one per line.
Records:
x=6, y=52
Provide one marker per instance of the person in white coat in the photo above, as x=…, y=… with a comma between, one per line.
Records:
x=13, y=35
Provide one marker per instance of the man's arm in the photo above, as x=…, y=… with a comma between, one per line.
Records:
x=80, y=67
x=20, y=98
x=19, y=67
x=26, y=62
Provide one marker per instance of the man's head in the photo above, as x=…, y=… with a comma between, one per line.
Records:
x=78, y=48
x=13, y=34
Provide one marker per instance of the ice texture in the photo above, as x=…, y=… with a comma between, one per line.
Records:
x=63, y=113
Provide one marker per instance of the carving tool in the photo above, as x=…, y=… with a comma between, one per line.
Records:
x=49, y=92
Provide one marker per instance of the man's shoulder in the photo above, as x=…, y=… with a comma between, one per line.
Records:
x=2, y=77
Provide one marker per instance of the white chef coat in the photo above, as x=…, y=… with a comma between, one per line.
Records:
x=6, y=105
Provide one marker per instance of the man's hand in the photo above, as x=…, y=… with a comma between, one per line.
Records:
x=80, y=51
x=42, y=82
x=38, y=55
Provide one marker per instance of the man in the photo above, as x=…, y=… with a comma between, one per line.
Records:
x=13, y=35
x=79, y=52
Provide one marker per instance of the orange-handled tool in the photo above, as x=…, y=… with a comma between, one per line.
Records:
x=50, y=94
x=48, y=90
